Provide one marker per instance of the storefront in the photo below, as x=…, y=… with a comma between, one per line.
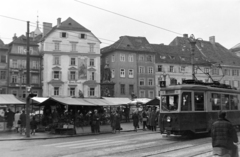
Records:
x=8, y=101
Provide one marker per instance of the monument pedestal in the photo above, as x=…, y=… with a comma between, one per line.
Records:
x=107, y=89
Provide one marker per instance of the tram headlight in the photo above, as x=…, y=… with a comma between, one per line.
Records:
x=169, y=119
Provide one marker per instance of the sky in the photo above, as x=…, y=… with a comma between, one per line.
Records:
x=169, y=18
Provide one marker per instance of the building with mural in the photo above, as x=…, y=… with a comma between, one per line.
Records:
x=71, y=60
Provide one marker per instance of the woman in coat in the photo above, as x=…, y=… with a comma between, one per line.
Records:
x=135, y=118
x=148, y=118
x=153, y=120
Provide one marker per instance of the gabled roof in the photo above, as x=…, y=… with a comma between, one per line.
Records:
x=213, y=52
x=2, y=45
x=68, y=24
x=235, y=48
x=131, y=44
x=23, y=40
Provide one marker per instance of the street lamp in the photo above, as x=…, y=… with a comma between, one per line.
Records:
x=193, y=41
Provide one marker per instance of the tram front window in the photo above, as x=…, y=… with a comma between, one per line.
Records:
x=169, y=102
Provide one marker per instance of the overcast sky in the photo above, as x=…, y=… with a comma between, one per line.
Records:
x=203, y=18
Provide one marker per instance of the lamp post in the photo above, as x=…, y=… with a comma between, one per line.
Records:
x=193, y=41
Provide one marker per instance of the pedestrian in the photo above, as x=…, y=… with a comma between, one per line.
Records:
x=118, y=121
x=224, y=136
x=17, y=121
x=153, y=119
x=96, y=122
x=135, y=118
x=148, y=118
x=113, y=121
x=33, y=125
x=144, y=119
x=126, y=112
x=23, y=122
x=10, y=119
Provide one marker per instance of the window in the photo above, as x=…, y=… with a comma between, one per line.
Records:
x=63, y=35
x=150, y=82
x=74, y=46
x=91, y=47
x=14, y=79
x=56, y=46
x=14, y=93
x=141, y=70
x=130, y=58
x=149, y=58
x=34, y=79
x=72, y=75
x=150, y=70
x=3, y=91
x=142, y=94
x=225, y=102
x=73, y=61
x=56, y=75
x=235, y=72
x=24, y=94
x=131, y=89
x=172, y=57
x=169, y=102
x=113, y=73
x=21, y=50
x=141, y=58
x=92, y=92
x=141, y=81
x=186, y=102
x=216, y=101
x=83, y=36
x=122, y=57
x=196, y=59
x=56, y=91
x=215, y=71
x=234, y=102
x=171, y=69
x=130, y=73
x=3, y=59
x=162, y=57
x=91, y=63
x=24, y=79
x=182, y=69
x=56, y=60
x=227, y=72
x=206, y=70
x=235, y=84
x=2, y=75
x=72, y=91
x=160, y=68
x=199, y=101
x=122, y=89
x=151, y=94
x=122, y=72
x=182, y=58
x=106, y=60
x=92, y=76
x=14, y=64
x=113, y=58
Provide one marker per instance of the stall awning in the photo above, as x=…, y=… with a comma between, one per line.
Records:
x=39, y=99
x=6, y=99
x=118, y=101
x=140, y=100
x=72, y=101
x=155, y=101
x=98, y=102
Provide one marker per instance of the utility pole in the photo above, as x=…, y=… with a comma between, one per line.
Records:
x=28, y=85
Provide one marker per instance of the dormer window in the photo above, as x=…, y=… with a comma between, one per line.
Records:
x=83, y=36
x=182, y=58
x=172, y=57
x=196, y=59
x=63, y=34
x=163, y=57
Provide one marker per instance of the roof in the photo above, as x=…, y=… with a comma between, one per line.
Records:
x=7, y=99
x=130, y=43
x=214, y=52
x=140, y=100
x=155, y=101
x=39, y=99
x=68, y=24
x=117, y=101
x=23, y=40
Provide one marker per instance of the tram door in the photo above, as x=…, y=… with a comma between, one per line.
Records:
x=201, y=122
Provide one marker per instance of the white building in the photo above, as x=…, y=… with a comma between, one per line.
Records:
x=71, y=60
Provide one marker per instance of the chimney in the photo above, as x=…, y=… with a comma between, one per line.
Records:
x=212, y=40
x=46, y=28
x=14, y=37
x=185, y=35
x=58, y=22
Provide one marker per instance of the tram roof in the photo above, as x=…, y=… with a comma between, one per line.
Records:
x=199, y=87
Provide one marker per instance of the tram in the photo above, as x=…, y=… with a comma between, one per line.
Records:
x=192, y=107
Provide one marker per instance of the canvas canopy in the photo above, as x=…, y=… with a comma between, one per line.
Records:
x=6, y=99
x=155, y=101
x=118, y=101
x=39, y=99
x=140, y=100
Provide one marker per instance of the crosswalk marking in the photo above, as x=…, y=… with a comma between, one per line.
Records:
x=85, y=143
x=97, y=144
x=82, y=141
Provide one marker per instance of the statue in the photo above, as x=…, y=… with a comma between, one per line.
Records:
x=80, y=93
x=107, y=73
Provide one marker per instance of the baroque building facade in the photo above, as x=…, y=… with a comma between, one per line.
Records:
x=3, y=67
x=71, y=60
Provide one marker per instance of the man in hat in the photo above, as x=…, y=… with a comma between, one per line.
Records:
x=224, y=136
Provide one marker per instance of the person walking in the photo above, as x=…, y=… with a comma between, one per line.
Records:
x=153, y=119
x=144, y=118
x=148, y=118
x=23, y=122
x=33, y=125
x=224, y=136
x=118, y=121
x=17, y=121
x=96, y=122
x=113, y=121
x=10, y=119
x=135, y=118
